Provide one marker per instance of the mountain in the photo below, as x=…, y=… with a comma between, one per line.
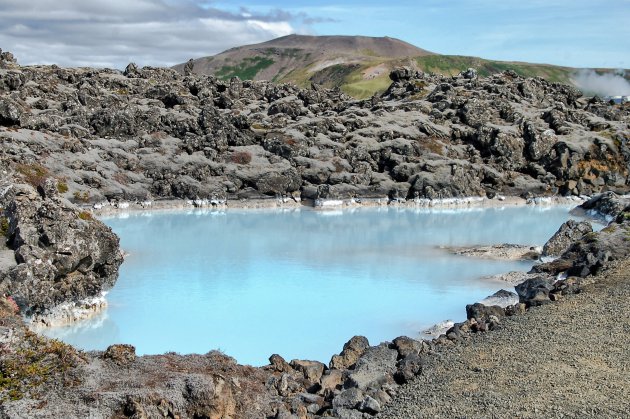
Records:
x=358, y=65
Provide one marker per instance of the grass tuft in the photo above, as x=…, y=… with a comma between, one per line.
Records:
x=34, y=174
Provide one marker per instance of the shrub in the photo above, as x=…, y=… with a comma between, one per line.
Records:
x=241, y=157
x=4, y=226
x=34, y=174
x=36, y=362
x=81, y=196
x=62, y=187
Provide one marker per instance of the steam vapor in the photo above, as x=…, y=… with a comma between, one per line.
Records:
x=607, y=84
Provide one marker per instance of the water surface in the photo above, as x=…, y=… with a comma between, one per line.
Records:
x=298, y=282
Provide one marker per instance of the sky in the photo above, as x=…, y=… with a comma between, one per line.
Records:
x=112, y=33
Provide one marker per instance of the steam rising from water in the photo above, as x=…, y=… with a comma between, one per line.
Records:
x=608, y=84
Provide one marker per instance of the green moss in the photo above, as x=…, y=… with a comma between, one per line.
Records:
x=32, y=364
x=85, y=216
x=4, y=226
x=34, y=174
x=246, y=69
x=610, y=229
x=591, y=237
x=451, y=65
x=334, y=75
x=81, y=196
x=62, y=187
x=364, y=89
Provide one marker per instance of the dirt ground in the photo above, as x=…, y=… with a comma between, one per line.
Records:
x=564, y=360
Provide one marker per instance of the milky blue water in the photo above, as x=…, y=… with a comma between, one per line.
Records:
x=299, y=282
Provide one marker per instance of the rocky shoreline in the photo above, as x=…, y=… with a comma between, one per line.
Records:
x=73, y=138
x=359, y=382
x=110, y=209
x=564, y=360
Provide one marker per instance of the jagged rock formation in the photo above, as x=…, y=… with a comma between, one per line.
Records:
x=568, y=233
x=152, y=133
x=90, y=135
x=62, y=255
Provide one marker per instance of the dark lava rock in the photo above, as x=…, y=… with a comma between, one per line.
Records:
x=535, y=291
x=408, y=367
x=63, y=254
x=607, y=204
x=568, y=233
x=483, y=312
x=374, y=368
x=351, y=352
x=312, y=370
x=407, y=346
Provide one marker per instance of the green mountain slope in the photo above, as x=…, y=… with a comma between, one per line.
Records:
x=357, y=65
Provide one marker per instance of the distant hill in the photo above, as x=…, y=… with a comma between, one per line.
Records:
x=359, y=65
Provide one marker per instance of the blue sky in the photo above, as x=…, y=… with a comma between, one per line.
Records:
x=577, y=33
x=582, y=33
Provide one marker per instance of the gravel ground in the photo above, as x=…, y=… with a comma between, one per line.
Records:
x=569, y=359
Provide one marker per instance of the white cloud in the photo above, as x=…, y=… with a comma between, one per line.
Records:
x=112, y=33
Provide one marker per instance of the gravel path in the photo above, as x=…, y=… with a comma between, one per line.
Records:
x=570, y=359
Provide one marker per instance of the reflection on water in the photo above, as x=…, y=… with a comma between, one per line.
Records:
x=300, y=282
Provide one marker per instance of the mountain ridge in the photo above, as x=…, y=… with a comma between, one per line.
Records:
x=358, y=65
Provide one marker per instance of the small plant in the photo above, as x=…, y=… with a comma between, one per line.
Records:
x=86, y=216
x=258, y=126
x=62, y=187
x=81, y=196
x=591, y=237
x=36, y=362
x=241, y=157
x=4, y=226
x=34, y=174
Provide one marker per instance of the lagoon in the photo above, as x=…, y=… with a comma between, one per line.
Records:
x=299, y=282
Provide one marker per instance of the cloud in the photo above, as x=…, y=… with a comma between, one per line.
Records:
x=607, y=84
x=114, y=32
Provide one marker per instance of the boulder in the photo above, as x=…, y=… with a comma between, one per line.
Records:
x=470, y=74
x=331, y=381
x=351, y=352
x=312, y=370
x=407, y=346
x=278, y=363
x=535, y=291
x=568, y=233
x=482, y=312
x=63, y=254
x=608, y=204
x=374, y=368
x=401, y=74
x=408, y=367
x=121, y=354
x=350, y=398
x=501, y=298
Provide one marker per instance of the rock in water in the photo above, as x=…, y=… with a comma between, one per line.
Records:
x=64, y=255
